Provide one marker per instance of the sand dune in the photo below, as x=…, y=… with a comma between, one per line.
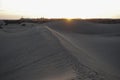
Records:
x=98, y=43
x=84, y=27
x=60, y=50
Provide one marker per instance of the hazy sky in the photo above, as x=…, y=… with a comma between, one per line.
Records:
x=60, y=8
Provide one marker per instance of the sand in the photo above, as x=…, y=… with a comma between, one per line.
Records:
x=60, y=51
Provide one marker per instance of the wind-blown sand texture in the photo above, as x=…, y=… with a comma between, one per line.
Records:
x=60, y=50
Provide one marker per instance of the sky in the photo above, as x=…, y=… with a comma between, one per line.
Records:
x=14, y=9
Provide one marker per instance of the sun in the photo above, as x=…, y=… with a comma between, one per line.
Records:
x=69, y=19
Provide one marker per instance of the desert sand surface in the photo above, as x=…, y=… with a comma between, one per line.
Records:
x=60, y=50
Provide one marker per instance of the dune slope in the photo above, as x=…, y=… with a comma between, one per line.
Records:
x=95, y=45
x=35, y=53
